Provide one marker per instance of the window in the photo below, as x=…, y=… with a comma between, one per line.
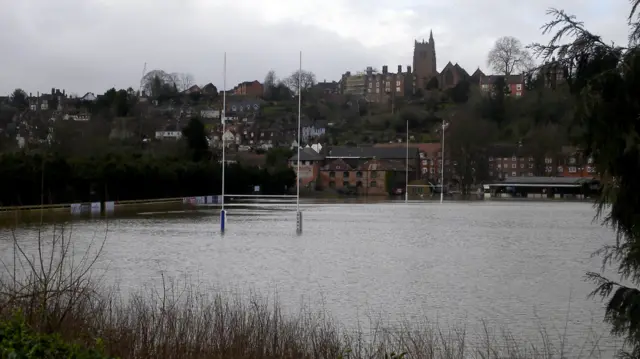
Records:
x=377, y=84
x=424, y=162
x=530, y=174
x=374, y=174
x=548, y=169
x=359, y=174
x=530, y=159
x=522, y=165
x=519, y=87
x=490, y=159
x=432, y=170
x=345, y=184
x=373, y=184
x=521, y=159
x=548, y=160
x=490, y=173
x=513, y=174
x=499, y=165
x=421, y=154
x=591, y=169
x=377, y=90
x=370, y=85
x=397, y=83
x=530, y=165
x=572, y=161
x=559, y=168
x=513, y=165
x=345, y=174
x=332, y=174
x=572, y=170
x=518, y=94
x=398, y=89
x=513, y=158
x=332, y=184
x=590, y=160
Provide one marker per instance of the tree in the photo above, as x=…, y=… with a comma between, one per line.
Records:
x=269, y=84
x=19, y=99
x=604, y=81
x=159, y=84
x=300, y=78
x=467, y=140
x=196, y=138
x=278, y=156
x=508, y=56
x=183, y=81
x=281, y=92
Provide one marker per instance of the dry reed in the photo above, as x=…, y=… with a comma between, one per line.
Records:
x=56, y=292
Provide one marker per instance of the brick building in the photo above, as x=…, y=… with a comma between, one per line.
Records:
x=249, y=88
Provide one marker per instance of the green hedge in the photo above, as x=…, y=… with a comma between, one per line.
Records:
x=17, y=341
x=116, y=177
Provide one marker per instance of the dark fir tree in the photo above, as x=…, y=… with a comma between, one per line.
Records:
x=19, y=99
x=605, y=80
x=196, y=138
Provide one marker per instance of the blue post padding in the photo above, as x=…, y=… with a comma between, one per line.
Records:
x=223, y=219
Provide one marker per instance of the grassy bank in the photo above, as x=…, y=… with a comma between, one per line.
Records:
x=55, y=294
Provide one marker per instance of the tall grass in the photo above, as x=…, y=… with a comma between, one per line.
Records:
x=58, y=293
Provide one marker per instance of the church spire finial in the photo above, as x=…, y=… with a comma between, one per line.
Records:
x=431, y=36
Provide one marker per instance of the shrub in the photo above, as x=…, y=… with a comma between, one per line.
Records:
x=19, y=342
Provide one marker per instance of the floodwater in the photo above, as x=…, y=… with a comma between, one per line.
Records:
x=514, y=265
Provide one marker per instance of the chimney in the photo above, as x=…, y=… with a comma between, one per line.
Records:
x=408, y=69
x=53, y=91
x=399, y=69
x=384, y=69
x=63, y=92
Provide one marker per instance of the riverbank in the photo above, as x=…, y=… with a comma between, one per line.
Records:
x=184, y=320
x=469, y=267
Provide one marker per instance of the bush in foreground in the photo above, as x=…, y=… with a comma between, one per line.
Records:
x=18, y=341
x=58, y=295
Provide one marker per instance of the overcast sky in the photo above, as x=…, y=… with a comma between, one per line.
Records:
x=92, y=45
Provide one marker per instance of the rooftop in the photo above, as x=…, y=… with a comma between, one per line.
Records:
x=371, y=152
x=544, y=181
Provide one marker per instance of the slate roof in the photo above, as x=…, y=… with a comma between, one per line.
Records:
x=371, y=152
x=430, y=148
x=307, y=154
x=546, y=181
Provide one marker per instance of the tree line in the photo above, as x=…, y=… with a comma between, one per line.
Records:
x=32, y=179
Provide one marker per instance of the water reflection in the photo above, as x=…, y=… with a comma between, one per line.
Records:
x=519, y=264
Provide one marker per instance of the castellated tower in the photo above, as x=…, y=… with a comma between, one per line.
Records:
x=424, y=61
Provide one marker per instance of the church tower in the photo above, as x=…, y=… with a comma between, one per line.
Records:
x=424, y=61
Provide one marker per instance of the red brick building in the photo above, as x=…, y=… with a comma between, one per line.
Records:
x=249, y=88
x=515, y=83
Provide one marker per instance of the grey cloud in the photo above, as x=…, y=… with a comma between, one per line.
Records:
x=91, y=45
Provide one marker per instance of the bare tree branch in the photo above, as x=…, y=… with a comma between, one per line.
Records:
x=509, y=56
x=304, y=79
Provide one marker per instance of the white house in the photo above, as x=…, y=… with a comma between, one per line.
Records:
x=89, y=96
x=229, y=138
x=168, y=135
x=210, y=114
x=83, y=117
